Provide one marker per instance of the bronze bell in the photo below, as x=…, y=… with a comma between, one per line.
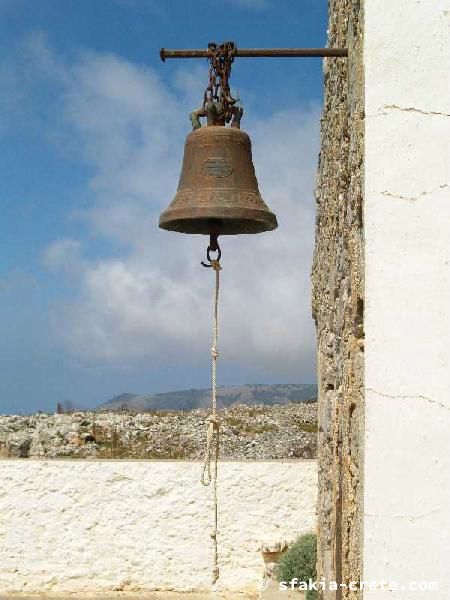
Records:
x=218, y=192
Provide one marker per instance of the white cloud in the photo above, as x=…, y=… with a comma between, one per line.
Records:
x=63, y=254
x=155, y=301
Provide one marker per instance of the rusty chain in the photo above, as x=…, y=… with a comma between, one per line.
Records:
x=219, y=106
x=220, y=57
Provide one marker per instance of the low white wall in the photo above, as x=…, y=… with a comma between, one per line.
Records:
x=84, y=526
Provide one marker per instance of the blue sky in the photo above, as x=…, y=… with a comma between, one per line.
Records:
x=94, y=299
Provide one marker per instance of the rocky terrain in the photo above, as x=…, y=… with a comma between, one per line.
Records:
x=247, y=432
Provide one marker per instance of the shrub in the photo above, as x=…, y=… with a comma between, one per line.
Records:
x=299, y=562
x=307, y=427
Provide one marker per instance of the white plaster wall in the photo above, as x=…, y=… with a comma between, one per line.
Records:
x=407, y=313
x=84, y=526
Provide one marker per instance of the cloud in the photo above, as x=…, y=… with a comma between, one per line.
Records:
x=154, y=300
x=63, y=255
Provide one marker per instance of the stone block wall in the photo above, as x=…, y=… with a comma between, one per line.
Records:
x=338, y=302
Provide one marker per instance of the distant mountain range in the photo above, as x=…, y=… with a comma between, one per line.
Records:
x=226, y=396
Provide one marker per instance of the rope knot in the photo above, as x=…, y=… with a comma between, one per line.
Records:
x=214, y=421
x=214, y=353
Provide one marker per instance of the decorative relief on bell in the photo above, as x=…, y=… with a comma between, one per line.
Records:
x=217, y=167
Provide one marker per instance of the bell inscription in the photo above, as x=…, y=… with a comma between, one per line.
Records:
x=217, y=167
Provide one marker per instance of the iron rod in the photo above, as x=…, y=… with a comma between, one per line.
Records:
x=258, y=53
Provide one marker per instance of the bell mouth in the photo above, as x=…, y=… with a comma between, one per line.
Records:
x=256, y=222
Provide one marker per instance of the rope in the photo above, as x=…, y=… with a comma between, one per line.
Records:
x=212, y=433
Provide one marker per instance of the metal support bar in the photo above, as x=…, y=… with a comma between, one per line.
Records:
x=258, y=53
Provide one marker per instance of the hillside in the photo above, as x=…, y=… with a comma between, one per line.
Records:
x=246, y=433
x=248, y=395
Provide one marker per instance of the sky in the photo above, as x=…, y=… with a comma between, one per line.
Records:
x=95, y=300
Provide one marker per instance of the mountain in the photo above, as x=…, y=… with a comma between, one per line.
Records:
x=226, y=396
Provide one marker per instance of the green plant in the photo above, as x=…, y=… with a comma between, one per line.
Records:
x=259, y=428
x=307, y=427
x=299, y=562
x=233, y=421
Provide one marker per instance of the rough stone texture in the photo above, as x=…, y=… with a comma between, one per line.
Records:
x=247, y=433
x=91, y=526
x=338, y=303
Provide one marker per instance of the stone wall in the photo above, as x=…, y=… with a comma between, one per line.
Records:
x=88, y=525
x=338, y=302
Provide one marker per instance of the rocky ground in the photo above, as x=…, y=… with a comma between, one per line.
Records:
x=246, y=433
x=215, y=595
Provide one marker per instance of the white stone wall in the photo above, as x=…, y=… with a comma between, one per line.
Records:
x=407, y=313
x=86, y=526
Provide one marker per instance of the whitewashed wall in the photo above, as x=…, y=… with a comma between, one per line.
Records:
x=407, y=317
x=85, y=526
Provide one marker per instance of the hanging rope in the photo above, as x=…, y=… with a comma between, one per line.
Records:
x=212, y=433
